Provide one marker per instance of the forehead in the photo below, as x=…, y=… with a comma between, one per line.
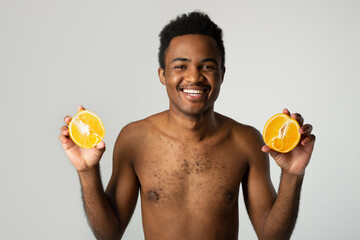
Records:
x=193, y=46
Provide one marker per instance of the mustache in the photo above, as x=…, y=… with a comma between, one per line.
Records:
x=194, y=85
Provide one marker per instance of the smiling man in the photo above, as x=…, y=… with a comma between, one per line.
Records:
x=193, y=74
x=187, y=163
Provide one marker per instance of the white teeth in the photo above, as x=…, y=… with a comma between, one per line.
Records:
x=193, y=91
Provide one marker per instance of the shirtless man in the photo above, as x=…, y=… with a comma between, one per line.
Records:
x=187, y=163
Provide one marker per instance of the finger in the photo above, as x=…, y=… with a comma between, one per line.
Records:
x=64, y=130
x=306, y=129
x=67, y=119
x=80, y=108
x=286, y=111
x=298, y=118
x=63, y=139
x=66, y=141
x=310, y=140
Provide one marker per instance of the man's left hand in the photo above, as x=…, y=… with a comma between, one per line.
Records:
x=295, y=161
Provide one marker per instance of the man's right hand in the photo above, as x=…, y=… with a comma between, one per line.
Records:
x=83, y=159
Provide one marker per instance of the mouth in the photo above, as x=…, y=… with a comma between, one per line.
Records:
x=195, y=91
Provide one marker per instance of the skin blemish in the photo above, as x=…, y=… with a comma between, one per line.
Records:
x=185, y=166
x=228, y=195
x=152, y=196
x=197, y=167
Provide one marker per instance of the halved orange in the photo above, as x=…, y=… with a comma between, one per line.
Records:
x=86, y=129
x=281, y=133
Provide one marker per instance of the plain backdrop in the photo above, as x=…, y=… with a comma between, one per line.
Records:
x=55, y=55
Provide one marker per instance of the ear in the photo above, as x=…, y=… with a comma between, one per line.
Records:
x=223, y=74
x=161, y=73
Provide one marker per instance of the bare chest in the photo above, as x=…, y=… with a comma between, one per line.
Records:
x=190, y=175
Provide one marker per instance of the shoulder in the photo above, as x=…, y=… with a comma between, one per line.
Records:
x=133, y=139
x=241, y=132
x=139, y=130
x=246, y=138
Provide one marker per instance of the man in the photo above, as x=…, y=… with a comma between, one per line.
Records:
x=187, y=163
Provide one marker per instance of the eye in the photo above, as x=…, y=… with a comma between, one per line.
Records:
x=180, y=67
x=208, y=67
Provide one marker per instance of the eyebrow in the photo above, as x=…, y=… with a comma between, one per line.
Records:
x=188, y=60
x=181, y=59
x=209, y=60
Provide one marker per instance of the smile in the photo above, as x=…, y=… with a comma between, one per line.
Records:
x=194, y=92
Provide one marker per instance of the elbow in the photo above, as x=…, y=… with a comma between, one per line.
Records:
x=113, y=236
x=275, y=234
x=111, y=233
x=271, y=231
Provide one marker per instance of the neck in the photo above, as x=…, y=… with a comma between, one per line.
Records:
x=192, y=127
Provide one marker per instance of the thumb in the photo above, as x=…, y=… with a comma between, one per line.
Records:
x=98, y=150
x=267, y=149
x=101, y=146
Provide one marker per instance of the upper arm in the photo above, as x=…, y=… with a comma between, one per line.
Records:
x=258, y=191
x=123, y=186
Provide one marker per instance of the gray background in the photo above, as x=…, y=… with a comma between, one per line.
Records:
x=55, y=55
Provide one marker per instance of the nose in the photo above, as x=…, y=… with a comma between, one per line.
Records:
x=193, y=75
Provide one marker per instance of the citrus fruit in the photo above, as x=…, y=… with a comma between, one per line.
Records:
x=86, y=129
x=281, y=133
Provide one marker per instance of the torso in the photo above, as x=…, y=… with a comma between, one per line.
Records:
x=189, y=190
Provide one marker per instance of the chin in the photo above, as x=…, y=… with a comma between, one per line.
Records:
x=197, y=112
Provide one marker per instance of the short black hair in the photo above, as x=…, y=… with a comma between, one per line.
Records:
x=190, y=23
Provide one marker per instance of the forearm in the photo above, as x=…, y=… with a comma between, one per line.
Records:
x=99, y=212
x=281, y=220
